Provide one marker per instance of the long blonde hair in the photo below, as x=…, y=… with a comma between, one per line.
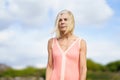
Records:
x=71, y=24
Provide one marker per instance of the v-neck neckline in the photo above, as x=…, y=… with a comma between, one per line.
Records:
x=65, y=51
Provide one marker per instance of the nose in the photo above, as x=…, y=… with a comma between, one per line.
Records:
x=62, y=22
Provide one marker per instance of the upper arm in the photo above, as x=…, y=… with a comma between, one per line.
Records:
x=83, y=47
x=83, y=52
x=50, y=60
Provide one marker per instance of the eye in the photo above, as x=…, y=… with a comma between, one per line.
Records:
x=60, y=20
x=65, y=19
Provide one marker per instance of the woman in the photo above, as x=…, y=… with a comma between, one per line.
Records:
x=66, y=52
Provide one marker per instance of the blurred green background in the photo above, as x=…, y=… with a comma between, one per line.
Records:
x=96, y=71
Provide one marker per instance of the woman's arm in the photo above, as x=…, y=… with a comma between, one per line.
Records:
x=50, y=61
x=83, y=63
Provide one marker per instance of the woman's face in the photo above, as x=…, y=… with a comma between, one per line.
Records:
x=63, y=22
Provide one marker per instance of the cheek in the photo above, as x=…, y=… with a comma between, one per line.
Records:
x=58, y=23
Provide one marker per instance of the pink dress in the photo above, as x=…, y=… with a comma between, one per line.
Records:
x=66, y=63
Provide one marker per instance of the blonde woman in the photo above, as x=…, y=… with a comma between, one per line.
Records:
x=66, y=52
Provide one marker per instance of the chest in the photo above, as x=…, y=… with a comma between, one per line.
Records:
x=65, y=44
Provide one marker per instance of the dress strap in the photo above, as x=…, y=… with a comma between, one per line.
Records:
x=79, y=42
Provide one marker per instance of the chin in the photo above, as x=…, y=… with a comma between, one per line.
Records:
x=62, y=30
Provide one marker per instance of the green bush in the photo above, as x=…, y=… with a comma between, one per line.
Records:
x=114, y=66
x=29, y=71
x=91, y=65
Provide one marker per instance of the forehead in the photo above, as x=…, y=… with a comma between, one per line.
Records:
x=64, y=15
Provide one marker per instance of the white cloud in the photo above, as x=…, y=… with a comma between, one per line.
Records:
x=29, y=12
x=36, y=12
x=103, y=51
x=3, y=12
x=5, y=36
x=22, y=48
x=85, y=11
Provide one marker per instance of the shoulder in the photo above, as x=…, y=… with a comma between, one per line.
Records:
x=50, y=41
x=83, y=42
x=83, y=45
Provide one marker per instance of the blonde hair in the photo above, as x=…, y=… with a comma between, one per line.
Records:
x=71, y=24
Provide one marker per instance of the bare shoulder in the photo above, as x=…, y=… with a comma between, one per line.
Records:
x=83, y=46
x=50, y=42
x=83, y=42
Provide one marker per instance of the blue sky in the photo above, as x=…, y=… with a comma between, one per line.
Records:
x=26, y=25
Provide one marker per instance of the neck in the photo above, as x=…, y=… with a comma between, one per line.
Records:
x=66, y=36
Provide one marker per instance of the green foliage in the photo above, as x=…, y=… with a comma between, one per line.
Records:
x=114, y=66
x=98, y=75
x=27, y=72
x=43, y=72
x=95, y=71
x=91, y=65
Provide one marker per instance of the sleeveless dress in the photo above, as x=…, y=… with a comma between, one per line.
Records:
x=66, y=63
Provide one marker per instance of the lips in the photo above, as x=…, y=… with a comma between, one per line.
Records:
x=62, y=26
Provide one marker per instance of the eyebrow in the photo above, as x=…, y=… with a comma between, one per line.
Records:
x=61, y=14
x=63, y=18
